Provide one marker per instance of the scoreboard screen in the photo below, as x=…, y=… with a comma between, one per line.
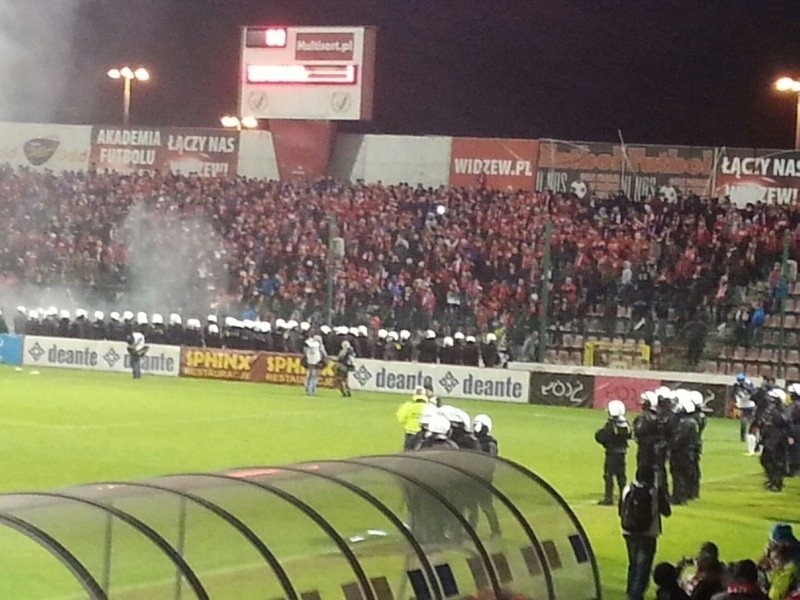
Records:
x=323, y=73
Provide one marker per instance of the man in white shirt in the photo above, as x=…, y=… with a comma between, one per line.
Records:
x=314, y=356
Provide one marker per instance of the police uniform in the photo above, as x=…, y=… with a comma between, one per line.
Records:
x=683, y=449
x=471, y=354
x=614, y=437
x=490, y=355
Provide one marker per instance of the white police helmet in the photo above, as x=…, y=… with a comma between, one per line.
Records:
x=382, y=333
x=696, y=398
x=33, y=314
x=471, y=339
x=405, y=334
x=777, y=394
x=616, y=408
x=249, y=324
x=393, y=336
x=212, y=319
x=482, y=423
x=98, y=315
x=794, y=389
x=354, y=331
x=664, y=391
x=362, y=329
x=213, y=328
x=127, y=315
x=193, y=323
x=439, y=425
x=305, y=326
x=157, y=319
x=491, y=338
x=649, y=399
x=52, y=311
x=325, y=329
x=458, y=336
x=64, y=314
x=428, y=412
x=141, y=318
x=292, y=324
x=175, y=319
x=447, y=342
x=114, y=316
x=687, y=405
x=81, y=313
x=22, y=309
x=280, y=324
x=430, y=334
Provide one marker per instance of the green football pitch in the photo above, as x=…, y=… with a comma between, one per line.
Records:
x=64, y=428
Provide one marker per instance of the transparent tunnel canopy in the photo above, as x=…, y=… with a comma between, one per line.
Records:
x=423, y=525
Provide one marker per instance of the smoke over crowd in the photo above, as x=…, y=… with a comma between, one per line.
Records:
x=36, y=54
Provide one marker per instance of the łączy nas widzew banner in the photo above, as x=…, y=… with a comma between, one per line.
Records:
x=206, y=152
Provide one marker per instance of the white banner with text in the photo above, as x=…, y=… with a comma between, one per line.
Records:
x=97, y=355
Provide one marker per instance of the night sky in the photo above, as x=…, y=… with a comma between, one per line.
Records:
x=691, y=72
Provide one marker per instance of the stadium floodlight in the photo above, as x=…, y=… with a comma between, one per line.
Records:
x=233, y=122
x=128, y=75
x=787, y=84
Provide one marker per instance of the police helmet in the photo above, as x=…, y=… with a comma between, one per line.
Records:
x=98, y=315
x=114, y=316
x=419, y=390
x=127, y=315
x=382, y=333
x=141, y=318
x=175, y=319
x=280, y=324
x=291, y=324
x=52, y=311
x=33, y=314
x=405, y=334
x=362, y=329
x=22, y=309
x=491, y=338
x=696, y=398
x=471, y=339
x=482, y=424
x=64, y=314
x=430, y=334
x=193, y=323
x=392, y=335
x=447, y=342
x=777, y=394
x=428, y=412
x=325, y=329
x=212, y=318
x=354, y=331
x=649, y=399
x=687, y=405
x=81, y=313
x=305, y=326
x=458, y=336
x=230, y=321
x=249, y=324
x=439, y=425
x=794, y=389
x=157, y=319
x=213, y=328
x=664, y=391
x=616, y=408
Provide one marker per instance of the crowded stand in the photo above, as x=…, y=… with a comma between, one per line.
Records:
x=447, y=259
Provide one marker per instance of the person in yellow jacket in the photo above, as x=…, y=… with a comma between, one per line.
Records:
x=408, y=415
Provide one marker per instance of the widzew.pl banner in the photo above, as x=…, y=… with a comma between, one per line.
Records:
x=448, y=381
x=97, y=355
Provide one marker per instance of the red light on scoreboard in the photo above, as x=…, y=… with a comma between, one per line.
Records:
x=308, y=74
x=275, y=38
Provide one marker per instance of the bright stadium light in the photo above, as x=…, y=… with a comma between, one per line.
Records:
x=128, y=75
x=787, y=84
x=233, y=122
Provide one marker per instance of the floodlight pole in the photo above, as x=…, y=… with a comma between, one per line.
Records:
x=331, y=267
x=126, y=101
x=544, y=293
x=784, y=292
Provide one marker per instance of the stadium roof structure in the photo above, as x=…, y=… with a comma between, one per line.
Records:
x=411, y=525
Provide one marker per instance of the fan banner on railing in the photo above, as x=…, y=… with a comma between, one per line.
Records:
x=638, y=170
x=753, y=175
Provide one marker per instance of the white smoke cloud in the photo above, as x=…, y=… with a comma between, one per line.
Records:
x=35, y=56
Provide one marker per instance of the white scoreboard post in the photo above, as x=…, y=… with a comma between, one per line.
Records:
x=312, y=73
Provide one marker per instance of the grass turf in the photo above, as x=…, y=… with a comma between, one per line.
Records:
x=62, y=428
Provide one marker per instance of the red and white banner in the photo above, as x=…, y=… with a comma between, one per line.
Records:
x=494, y=163
x=627, y=389
x=770, y=176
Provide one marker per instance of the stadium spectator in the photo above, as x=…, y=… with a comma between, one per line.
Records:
x=744, y=584
x=781, y=561
x=665, y=576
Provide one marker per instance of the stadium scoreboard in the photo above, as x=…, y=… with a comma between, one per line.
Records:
x=315, y=73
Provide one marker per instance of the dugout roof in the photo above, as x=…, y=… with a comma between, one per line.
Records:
x=411, y=525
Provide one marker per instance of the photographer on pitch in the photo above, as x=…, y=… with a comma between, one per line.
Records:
x=136, y=350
